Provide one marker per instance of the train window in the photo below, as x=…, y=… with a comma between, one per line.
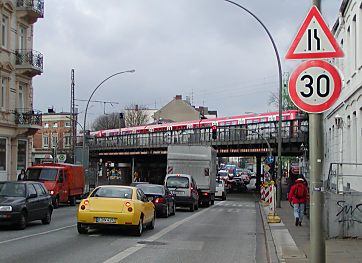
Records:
x=256, y=120
x=249, y=121
x=234, y=122
x=221, y=123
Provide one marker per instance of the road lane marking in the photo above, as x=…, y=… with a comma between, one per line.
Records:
x=131, y=250
x=34, y=235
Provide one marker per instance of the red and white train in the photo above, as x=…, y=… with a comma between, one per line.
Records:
x=204, y=123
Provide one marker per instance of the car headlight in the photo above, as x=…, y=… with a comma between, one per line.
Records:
x=6, y=208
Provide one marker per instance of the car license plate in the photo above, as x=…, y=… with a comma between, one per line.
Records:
x=105, y=220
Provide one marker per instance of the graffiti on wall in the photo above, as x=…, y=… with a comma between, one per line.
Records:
x=349, y=213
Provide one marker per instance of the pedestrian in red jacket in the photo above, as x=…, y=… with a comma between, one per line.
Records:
x=298, y=196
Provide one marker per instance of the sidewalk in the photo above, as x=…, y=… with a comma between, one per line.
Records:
x=292, y=244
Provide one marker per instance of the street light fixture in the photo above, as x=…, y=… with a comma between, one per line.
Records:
x=279, y=175
x=86, y=109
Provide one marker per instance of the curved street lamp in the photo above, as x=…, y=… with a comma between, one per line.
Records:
x=86, y=109
x=279, y=175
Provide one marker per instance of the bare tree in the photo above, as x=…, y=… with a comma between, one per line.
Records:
x=108, y=121
x=135, y=115
x=287, y=103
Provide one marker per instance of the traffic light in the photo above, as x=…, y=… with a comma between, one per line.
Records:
x=214, y=132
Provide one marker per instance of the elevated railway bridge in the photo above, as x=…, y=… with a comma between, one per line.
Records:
x=116, y=158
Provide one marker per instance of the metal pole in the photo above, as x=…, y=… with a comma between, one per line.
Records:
x=86, y=108
x=316, y=159
x=279, y=175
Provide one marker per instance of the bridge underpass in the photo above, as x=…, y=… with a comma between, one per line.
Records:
x=146, y=154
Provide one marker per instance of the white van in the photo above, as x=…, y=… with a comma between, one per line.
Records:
x=184, y=188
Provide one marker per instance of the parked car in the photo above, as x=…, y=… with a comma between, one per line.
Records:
x=25, y=201
x=65, y=182
x=116, y=206
x=184, y=187
x=161, y=197
x=220, y=190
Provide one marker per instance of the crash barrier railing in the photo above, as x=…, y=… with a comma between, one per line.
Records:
x=344, y=178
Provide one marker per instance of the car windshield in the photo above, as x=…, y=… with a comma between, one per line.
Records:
x=177, y=182
x=152, y=189
x=44, y=174
x=112, y=192
x=12, y=189
x=222, y=174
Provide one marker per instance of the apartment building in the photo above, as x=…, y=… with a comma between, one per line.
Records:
x=19, y=63
x=343, y=122
x=53, y=142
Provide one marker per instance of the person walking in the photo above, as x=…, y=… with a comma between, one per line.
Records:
x=298, y=196
x=21, y=176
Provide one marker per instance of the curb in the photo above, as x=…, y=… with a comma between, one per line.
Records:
x=269, y=241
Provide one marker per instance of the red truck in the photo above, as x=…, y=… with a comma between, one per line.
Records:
x=65, y=182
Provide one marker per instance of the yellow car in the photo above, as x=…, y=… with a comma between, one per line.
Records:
x=114, y=205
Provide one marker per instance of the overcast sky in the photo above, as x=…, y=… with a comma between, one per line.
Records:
x=209, y=50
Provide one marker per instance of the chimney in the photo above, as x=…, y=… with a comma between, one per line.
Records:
x=51, y=110
x=178, y=97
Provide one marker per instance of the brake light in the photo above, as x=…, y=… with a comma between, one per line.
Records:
x=226, y=184
x=86, y=202
x=160, y=200
x=128, y=204
x=191, y=188
x=205, y=194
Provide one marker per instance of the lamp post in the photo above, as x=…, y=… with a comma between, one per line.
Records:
x=86, y=108
x=279, y=174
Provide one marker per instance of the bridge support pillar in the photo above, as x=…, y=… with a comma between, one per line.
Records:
x=258, y=172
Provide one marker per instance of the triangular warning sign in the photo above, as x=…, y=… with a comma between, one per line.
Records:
x=314, y=39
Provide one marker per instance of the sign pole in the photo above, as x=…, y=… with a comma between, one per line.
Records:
x=316, y=158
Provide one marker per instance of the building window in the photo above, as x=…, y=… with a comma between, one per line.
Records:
x=67, y=124
x=3, y=92
x=45, y=141
x=21, y=104
x=2, y=154
x=46, y=125
x=22, y=38
x=21, y=164
x=54, y=140
x=67, y=140
x=55, y=125
x=4, y=31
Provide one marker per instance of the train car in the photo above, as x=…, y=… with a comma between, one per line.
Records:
x=267, y=119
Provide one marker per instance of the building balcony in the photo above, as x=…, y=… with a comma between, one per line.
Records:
x=28, y=119
x=29, y=62
x=30, y=10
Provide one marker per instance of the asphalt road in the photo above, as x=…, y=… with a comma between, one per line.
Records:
x=230, y=231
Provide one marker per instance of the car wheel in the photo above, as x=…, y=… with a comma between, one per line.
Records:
x=223, y=197
x=152, y=223
x=23, y=221
x=72, y=201
x=167, y=212
x=192, y=207
x=139, y=229
x=56, y=202
x=82, y=229
x=197, y=206
x=173, y=209
x=46, y=220
x=212, y=202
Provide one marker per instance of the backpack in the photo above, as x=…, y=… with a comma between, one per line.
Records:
x=300, y=191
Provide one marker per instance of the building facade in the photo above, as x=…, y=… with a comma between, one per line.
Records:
x=343, y=122
x=53, y=142
x=19, y=63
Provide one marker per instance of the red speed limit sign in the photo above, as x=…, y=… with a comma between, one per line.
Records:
x=315, y=86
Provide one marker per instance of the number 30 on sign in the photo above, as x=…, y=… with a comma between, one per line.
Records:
x=315, y=86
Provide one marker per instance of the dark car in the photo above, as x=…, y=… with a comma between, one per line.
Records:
x=25, y=201
x=162, y=198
